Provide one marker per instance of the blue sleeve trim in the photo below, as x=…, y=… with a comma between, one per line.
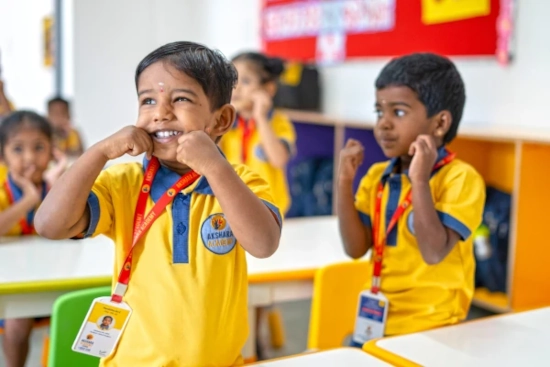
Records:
x=451, y=222
x=93, y=207
x=287, y=146
x=276, y=211
x=365, y=218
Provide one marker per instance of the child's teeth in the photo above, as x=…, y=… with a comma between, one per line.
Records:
x=166, y=134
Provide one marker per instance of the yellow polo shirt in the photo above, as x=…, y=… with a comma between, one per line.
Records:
x=70, y=144
x=232, y=145
x=5, y=203
x=188, y=287
x=423, y=296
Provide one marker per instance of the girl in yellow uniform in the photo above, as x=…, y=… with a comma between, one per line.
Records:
x=26, y=146
x=263, y=139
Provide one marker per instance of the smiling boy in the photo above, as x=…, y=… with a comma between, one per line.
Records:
x=189, y=277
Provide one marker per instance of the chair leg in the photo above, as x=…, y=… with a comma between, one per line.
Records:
x=45, y=351
x=276, y=327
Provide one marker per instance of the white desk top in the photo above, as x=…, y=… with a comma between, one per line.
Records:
x=306, y=244
x=520, y=339
x=348, y=357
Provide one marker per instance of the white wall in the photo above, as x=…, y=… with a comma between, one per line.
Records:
x=111, y=37
x=28, y=82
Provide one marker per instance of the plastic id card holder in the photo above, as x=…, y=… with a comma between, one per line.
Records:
x=372, y=314
x=102, y=327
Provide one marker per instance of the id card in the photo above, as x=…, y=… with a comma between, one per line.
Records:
x=102, y=327
x=372, y=314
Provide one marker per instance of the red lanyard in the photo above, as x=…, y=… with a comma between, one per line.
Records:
x=26, y=227
x=248, y=128
x=379, y=243
x=143, y=223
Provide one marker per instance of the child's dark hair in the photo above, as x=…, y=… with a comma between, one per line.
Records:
x=209, y=68
x=269, y=68
x=21, y=120
x=434, y=79
x=59, y=99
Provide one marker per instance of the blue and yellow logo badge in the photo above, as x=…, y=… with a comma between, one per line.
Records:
x=217, y=235
x=145, y=189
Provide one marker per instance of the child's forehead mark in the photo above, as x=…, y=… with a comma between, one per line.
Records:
x=161, y=85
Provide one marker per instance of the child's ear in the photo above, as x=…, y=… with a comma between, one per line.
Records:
x=271, y=88
x=443, y=121
x=225, y=118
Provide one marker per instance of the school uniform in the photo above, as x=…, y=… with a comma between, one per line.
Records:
x=423, y=296
x=188, y=286
x=242, y=144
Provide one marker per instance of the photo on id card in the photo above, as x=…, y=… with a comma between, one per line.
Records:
x=102, y=327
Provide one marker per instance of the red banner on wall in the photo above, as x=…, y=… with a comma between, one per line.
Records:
x=334, y=30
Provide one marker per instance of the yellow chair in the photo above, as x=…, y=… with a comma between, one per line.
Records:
x=334, y=305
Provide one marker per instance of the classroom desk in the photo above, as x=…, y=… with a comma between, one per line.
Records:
x=519, y=339
x=35, y=271
x=348, y=357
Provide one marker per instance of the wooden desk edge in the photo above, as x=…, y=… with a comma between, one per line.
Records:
x=54, y=285
x=395, y=360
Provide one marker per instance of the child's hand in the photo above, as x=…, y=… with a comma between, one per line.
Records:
x=56, y=170
x=129, y=140
x=197, y=151
x=31, y=193
x=262, y=103
x=424, y=152
x=351, y=157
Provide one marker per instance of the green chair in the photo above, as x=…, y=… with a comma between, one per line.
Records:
x=68, y=314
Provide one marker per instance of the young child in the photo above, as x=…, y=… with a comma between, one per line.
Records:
x=66, y=137
x=427, y=261
x=261, y=138
x=26, y=146
x=188, y=284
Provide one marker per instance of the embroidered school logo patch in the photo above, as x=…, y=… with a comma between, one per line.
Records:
x=217, y=235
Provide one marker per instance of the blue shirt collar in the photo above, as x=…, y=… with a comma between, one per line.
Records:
x=441, y=153
x=165, y=178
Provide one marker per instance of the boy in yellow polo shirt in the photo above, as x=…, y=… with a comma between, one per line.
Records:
x=188, y=282
x=427, y=263
x=66, y=137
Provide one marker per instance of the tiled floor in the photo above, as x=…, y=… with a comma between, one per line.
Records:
x=296, y=320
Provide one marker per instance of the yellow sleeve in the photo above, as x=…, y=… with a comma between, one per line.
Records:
x=260, y=188
x=363, y=196
x=100, y=205
x=74, y=143
x=284, y=130
x=460, y=199
x=4, y=200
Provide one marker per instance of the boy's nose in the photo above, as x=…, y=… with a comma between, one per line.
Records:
x=162, y=113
